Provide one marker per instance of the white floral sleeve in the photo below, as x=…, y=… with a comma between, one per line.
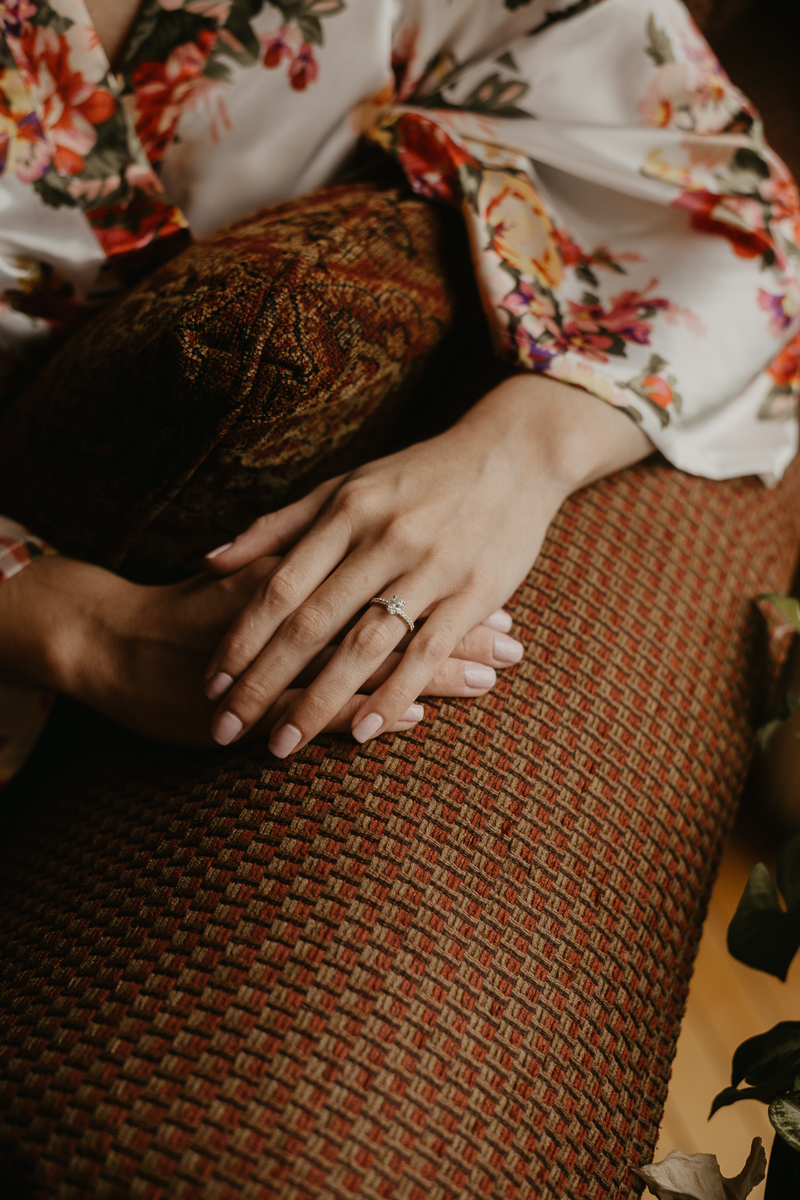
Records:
x=632, y=232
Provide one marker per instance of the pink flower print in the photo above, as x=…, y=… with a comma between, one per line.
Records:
x=23, y=146
x=534, y=356
x=283, y=43
x=286, y=43
x=164, y=90
x=71, y=105
x=591, y=323
x=669, y=94
x=784, y=370
x=14, y=15
x=779, y=318
x=304, y=69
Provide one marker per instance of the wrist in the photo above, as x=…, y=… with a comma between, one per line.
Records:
x=560, y=437
x=51, y=629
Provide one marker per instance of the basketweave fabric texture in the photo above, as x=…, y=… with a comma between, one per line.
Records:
x=448, y=965
x=210, y=392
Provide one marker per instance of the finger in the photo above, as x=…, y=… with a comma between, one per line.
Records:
x=499, y=620
x=273, y=533
x=456, y=677
x=284, y=597
x=423, y=659
x=362, y=653
x=340, y=723
x=303, y=635
x=483, y=645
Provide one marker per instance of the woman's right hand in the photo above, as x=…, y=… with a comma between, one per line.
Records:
x=138, y=654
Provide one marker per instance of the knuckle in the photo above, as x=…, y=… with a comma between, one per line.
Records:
x=371, y=640
x=316, y=710
x=352, y=501
x=307, y=626
x=403, y=537
x=284, y=589
x=252, y=696
x=435, y=646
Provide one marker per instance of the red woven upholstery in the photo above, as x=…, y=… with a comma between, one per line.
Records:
x=450, y=965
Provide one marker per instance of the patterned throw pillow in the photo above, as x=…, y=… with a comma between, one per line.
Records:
x=261, y=359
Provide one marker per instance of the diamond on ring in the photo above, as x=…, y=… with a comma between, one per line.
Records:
x=395, y=606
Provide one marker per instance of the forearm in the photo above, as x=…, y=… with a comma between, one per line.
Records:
x=46, y=612
x=559, y=436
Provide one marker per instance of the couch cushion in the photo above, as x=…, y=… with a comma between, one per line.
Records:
x=449, y=963
x=284, y=340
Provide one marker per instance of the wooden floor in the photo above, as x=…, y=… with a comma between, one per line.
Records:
x=727, y=1003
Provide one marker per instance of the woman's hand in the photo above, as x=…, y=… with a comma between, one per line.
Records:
x=138, y=654
x=451, y=525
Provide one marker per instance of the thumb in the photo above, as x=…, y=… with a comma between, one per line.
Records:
x=274, y=533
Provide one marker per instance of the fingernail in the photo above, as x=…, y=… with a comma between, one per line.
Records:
x=508, y=650
x=284, y=740
x=218, y=685
x=225, y=728
x=368, y=726
x=415, y=712
x=499, y=620
x=479, y=677
x=227, y=546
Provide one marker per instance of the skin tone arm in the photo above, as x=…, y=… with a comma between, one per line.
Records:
x=452, y=525
x=138, y=654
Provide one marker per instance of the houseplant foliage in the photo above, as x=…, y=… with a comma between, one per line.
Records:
x=765, y=934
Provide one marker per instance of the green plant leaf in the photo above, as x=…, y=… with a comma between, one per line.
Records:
x=784, y=1115
x=730, y=1095
x=761, y=934
x=788, y=871
x=771, y=1058
x=787, y=606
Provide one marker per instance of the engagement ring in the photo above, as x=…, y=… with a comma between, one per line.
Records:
x=395, y=606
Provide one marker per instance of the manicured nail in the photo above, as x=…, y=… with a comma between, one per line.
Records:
x=227, y=546
x=284, y=740
x=225, y=728
x=368, y=727
x=218, y=685
x=508, y=650
x=479, y=677
x=499, y=620
x=415, y=712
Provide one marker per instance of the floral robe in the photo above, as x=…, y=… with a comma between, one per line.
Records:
x=632, y=232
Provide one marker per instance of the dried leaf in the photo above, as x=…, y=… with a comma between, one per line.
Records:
x=697, y=1176
x=784, y=1115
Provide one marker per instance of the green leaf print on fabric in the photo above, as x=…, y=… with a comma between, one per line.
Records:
x=659, y=47
x=293, y=42
x=564, y=14
x=158, y=32
x=496, y=95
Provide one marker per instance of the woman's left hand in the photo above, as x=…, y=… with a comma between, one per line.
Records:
x=452, y=525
